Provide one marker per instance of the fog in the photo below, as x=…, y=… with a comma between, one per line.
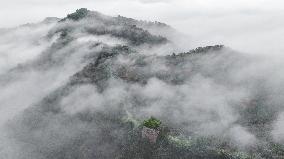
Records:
x=251, y=26
x=212, y=99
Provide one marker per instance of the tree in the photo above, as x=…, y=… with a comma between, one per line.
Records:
x=152, y=123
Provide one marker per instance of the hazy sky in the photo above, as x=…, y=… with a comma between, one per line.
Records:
x=254, y=26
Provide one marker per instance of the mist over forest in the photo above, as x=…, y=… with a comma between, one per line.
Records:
x=84, y=87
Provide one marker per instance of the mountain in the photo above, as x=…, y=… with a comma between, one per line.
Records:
x=96, y=78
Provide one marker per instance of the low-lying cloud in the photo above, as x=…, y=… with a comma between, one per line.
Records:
x=222, y=94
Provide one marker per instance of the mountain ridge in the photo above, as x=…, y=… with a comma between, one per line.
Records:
x=102, y=77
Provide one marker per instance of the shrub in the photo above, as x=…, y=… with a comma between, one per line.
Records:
x=152, y=123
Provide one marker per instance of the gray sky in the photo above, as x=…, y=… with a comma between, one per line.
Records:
x=254, y=26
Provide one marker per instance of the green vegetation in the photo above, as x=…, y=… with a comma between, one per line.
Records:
x=78, y=15
x=131, y=120
x=199, y=50
x=124, y=131
x=179, y=141
x=152, y=123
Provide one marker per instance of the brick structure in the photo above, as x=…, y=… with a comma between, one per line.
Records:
x=150, y=134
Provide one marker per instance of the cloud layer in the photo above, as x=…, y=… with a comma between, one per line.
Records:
x=252, y=26
x=224, y=94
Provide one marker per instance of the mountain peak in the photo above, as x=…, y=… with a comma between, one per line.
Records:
x=78, y=14
x=98, y=77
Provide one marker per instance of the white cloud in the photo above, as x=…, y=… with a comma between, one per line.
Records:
x=253, y=26
x=248, y=25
